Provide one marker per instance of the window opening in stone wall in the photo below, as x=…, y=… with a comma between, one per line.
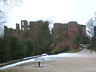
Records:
x=23, y=28
x=22, y=23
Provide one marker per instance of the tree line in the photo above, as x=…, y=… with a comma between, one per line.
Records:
x=13, y=48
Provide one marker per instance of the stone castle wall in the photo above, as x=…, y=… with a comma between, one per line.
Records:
x=29, y=31
x=64, y=35
x=60, y=32
x=69, y=30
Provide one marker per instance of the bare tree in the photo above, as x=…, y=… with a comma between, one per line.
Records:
x=4, y=5
x=90, y=26
x=11, y=2
x=2, y=21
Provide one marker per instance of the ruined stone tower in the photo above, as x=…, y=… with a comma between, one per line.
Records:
x=24, y=25
x=17, y=27
x=72, y=29
x=17, y=30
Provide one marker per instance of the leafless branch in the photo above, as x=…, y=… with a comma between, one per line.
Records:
x=90, y=26
x=3, y=15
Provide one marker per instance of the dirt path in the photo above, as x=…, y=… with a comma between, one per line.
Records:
x=83, y=64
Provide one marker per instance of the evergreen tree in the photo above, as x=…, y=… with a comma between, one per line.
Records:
x=44, y=38
x=15, y=47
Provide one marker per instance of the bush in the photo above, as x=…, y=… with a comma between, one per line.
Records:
x=73, y=51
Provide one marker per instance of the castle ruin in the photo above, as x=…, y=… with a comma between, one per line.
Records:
x=28, y=30
x=70, y=30
x=32, y=30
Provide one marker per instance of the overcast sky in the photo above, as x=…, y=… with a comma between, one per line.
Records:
x=61, y=11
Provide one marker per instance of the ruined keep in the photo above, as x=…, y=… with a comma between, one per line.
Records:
x=64, y=35
x=70, y=30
